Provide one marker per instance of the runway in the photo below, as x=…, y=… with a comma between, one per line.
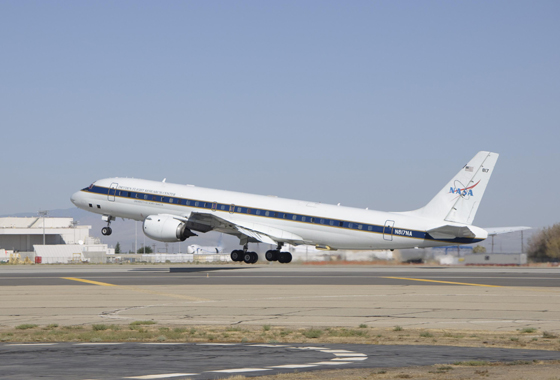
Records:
x=288, y=295
x=219, y=361
x=281, y=275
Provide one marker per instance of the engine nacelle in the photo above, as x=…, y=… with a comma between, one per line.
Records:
x=166, y=228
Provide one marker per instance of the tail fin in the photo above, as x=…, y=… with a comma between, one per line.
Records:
x=458, y=201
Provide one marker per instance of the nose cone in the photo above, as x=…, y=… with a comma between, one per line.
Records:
x=75, y=198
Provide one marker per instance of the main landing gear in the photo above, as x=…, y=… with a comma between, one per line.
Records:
x=277, y=255
x=107, y=230
x=244, y=255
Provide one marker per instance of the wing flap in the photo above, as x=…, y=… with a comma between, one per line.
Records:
x=262, y=233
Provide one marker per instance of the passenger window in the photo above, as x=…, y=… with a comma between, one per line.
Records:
x=370, y=228
x=266, y=213
x=332, y=223
x=258, y=212
x=239, y=209
x=294, y=217
x=303, y=218
x=196, y=204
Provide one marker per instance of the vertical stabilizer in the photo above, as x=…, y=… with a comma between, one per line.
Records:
x=458, y=201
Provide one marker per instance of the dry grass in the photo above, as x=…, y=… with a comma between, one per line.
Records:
x=496, y=371
x=142, y=332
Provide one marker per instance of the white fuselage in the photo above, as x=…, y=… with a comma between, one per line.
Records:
x=327, y=226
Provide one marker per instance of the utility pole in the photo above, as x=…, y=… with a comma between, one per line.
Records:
x=43, y=214
x=74, y=223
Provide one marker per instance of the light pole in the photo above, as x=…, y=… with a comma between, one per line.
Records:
x=74, y=223
x=43, y=214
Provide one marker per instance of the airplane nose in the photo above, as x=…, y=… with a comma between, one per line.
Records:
x=75, y=197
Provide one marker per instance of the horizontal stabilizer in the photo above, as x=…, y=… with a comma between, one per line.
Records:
x=504, y=230
x=451, y=232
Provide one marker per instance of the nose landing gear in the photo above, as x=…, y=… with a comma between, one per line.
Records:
x=107, y=230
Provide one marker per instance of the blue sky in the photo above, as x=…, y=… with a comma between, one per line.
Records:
x=369, y=103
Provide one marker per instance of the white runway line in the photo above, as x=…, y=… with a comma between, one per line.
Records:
x=96, y=344
x=32, y=344
x=355, y=359
x=293, y=366
x=331, y=363
x=350, y=354
x=162, y=376
x=238, y=370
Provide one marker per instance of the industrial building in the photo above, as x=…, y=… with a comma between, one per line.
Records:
x=48, y=240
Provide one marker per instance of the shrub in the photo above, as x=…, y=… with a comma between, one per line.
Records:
x=138, y=323
x=26, y=326
x=545, y=245
x=312, y=333
x=398, y=328
x=99, y=327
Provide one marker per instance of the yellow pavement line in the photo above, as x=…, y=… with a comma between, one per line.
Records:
x=88, y=281
x=135, y=289
x=444, y=282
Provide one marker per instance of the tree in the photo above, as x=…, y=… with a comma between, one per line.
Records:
x=148, y=249
x=479, y=249
x=118, y=248
x=545, y=246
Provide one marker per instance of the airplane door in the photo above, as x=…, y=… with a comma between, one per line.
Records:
x=112, y=191
x=388, y=230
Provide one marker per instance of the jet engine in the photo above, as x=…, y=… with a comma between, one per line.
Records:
x=166, y=228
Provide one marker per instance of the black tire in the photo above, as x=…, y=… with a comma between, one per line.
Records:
x=288, y=258
x=248, y=257
x=106, y=231
x=255, y=257
x=284, y=257
x=271, y=255
x=235, y=255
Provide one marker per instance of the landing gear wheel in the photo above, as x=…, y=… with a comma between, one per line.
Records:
x=106, y=231
x=271, y=255
x=255, y=257
x=236, y=255
x=284, y=257
x=248, y=257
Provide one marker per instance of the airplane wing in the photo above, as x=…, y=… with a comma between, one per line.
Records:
x=504, y=230
x=258, y=232
x=451, y=232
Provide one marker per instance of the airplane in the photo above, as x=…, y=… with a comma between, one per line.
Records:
x=206, y=250
x=171, y=212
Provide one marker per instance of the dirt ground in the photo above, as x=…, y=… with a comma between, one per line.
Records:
x=496, y=371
